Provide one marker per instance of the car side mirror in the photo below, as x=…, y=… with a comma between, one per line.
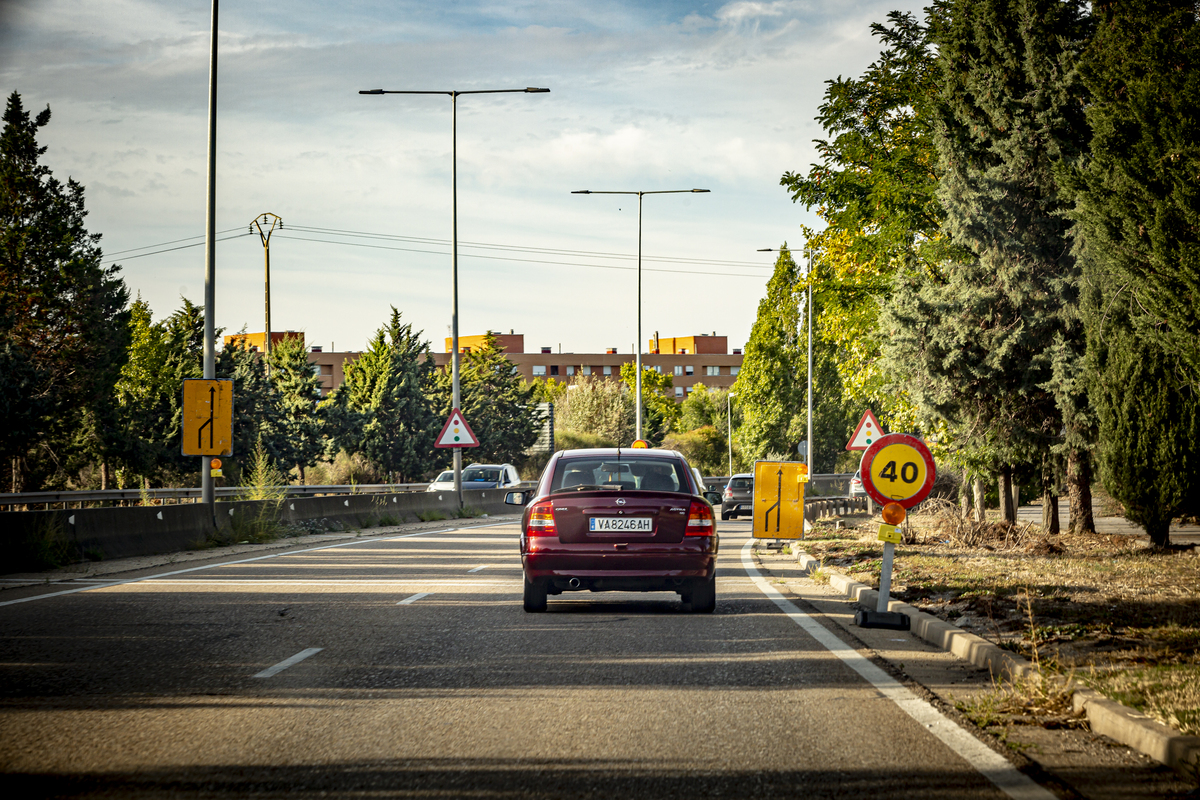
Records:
x=713, y=497
x=514, y=499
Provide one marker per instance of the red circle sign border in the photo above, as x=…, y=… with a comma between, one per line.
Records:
x=890, y=439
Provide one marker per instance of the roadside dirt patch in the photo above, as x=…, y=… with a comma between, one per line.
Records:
x=1107, y=610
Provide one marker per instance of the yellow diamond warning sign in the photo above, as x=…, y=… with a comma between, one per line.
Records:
x=456, y=432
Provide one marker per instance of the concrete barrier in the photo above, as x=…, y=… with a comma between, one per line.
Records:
x=28, y=537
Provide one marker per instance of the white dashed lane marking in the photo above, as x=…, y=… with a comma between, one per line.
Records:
x=288, y=662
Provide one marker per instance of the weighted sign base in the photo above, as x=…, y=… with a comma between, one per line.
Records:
x=891, y=620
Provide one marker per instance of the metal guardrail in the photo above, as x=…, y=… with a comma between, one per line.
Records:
x=125, y=497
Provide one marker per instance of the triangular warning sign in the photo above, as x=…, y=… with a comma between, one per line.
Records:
x=869, y=430
x=456, y=433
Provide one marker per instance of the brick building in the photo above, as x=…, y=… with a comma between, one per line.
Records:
x=687, y=359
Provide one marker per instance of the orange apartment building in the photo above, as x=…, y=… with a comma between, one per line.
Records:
x=689, y=360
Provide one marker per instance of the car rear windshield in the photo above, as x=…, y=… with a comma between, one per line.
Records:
x=650, y=474
x=492, y=475
x=741, y=483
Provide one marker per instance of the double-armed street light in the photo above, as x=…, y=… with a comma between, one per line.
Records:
x=454, y=95
x=638, y=349
x=808, y=458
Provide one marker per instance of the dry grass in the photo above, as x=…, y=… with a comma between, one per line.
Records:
x=1120, y=616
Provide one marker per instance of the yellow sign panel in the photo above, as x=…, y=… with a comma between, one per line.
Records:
x=207, y=418
x=889, y=533
x=779, y=499
x=899, y=471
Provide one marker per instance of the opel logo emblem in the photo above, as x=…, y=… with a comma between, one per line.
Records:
x=620, y=501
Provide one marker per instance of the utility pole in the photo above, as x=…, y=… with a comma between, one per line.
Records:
x=272, y=221
x=207, y=495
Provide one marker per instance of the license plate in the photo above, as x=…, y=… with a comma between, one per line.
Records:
x=621, y=524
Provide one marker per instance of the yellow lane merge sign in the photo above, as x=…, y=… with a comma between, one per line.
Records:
x=207, y=418
x=779, y=499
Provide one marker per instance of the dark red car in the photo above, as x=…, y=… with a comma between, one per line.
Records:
x=619, y=520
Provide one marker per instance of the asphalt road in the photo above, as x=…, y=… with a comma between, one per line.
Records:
x=405, y=667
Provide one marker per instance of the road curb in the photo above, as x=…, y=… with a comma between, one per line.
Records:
x=1108, y=717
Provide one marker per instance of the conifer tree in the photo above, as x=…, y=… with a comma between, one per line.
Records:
x=299, y=391
x=387, y=392
x=63, y=321
x=771, y=384
x=497, y=404
x=979, y=346
x=1138, y=235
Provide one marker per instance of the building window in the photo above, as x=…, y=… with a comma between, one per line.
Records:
x=539, y=372
x=608, y=370
x=586, y=370
x=554, y=370
x=689, y=370
x=712, y=370
x=679, y=391
x=570, y=370
x=657, y=368
x=734, y=370
x=678, y=370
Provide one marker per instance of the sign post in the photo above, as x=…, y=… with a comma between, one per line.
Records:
x=897, y=471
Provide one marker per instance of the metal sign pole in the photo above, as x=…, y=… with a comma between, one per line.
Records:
x=210, y=269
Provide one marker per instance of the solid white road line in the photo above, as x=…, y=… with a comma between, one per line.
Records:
x=288, y=662
x=993, y=766
x=477, y=568
x=408, y=601
x=243, y=561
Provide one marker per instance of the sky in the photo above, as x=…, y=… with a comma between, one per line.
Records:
x=645, y=96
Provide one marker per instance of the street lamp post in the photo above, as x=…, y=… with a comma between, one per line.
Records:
x=638, y=349
x=729, y=427
x=808, y=458
x=272, y=221
x=454, y=382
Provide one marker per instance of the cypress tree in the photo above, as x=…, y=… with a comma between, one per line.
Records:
x=299, y=393
x=983, y=341
x=1137, y=215
x=770, y=387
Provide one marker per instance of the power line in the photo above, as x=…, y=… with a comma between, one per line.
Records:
x=526, y=248
x=427, y=241
x=109, y=260
x=524, y=260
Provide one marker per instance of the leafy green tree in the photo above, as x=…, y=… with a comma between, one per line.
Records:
x=497, y=404
x=63, y=321
x=299, y=395
x=705, y=406
x=384, y=407
x=597, y=407
x=704, y=448
x=875, y=187
x=548, y=390
x=660, y=412
x=771, y=384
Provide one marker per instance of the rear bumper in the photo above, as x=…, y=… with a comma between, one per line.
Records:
x=649, y=568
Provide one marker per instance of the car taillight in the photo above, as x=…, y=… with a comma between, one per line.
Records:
x=700, y=519
x=541, y=520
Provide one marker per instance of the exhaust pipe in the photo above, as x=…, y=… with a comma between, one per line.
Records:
x=574, y=583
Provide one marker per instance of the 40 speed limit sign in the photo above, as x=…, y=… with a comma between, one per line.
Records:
x=898, y=468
